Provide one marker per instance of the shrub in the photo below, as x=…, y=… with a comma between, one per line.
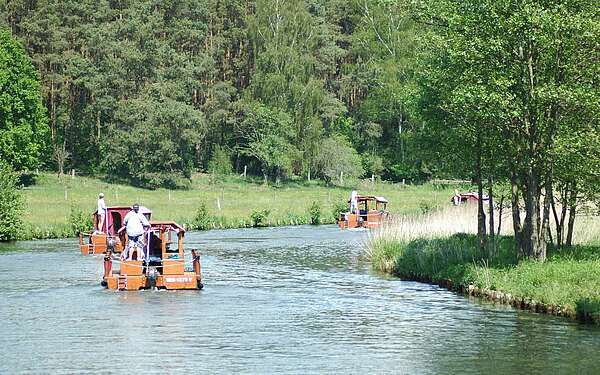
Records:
x=425, y=207
x=339, y=206
x=294, y=219
x=314, y=212
x=26, y=178
x=203, y=220
x=259, y=218
x=372, y=164
x=11, y=204
x=79, y=221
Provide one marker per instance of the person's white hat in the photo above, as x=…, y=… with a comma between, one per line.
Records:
x=101, y=195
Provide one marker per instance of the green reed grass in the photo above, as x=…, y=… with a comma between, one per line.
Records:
x=570, y=278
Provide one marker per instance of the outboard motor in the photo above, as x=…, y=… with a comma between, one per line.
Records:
x=110, y=244
x=151, y=275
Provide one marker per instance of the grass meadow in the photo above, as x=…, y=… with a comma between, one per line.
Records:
x=230, y=202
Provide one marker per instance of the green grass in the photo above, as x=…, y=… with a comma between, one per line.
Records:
x=50, y=201
x=569, y=279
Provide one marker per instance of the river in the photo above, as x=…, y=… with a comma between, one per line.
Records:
x=276, y=300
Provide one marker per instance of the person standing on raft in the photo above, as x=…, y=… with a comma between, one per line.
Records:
x=135, y=226
x=354, y=202
x=101, y=212
x=456, y=198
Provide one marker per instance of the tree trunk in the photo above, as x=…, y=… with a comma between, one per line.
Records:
x=545, y=230
x=516, y=215
x=572, y=212
x=98, y=125
x=481, y=230
x=492, y=246
x=52, y=113
x=563, y=216
x=533, y=239
x=559, y=221
x=500, y=211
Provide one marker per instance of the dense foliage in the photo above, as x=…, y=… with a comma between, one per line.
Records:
x=11, y=204
x=509, y=91
x=147, y=91
x=23, y=127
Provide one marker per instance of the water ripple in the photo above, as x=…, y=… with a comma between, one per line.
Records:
x=290, y=300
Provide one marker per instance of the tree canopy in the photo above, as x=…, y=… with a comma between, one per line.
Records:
x=506, y=87
x=23, y=126
x=176, y=79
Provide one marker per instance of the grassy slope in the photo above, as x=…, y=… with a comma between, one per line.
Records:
x=569, y=279
x=48, y=209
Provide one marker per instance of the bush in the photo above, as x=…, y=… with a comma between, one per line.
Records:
x=425, y=207
x=314, y=212
x=11, y=204
x=203, y=220
x=341, y=205
x=259, y=218
x=79, y=221
x=294, y=219
x=26, y=178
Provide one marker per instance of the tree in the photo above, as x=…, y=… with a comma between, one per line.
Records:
x=337, y=158
x=23, y=124
x=296, y=53
x=11, y=204
x=152, y=141
x=509, y=81
x=265, y=135
x=220, y=163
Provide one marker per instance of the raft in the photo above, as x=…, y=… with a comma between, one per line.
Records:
x=158, y=263
x=371, y=213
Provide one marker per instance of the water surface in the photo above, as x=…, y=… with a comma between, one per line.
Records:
x=278, y=300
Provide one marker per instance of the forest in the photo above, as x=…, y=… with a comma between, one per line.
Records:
x=503, y=93
x=149, y=91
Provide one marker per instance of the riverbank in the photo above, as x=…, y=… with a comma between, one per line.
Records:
x=567, y=284
x=58, y=207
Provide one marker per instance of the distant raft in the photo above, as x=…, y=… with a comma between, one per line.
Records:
x=157, y=262
x=371, y=212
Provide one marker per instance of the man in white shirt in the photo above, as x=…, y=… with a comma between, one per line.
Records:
x=135, y=226
x=354, y=202
x=101, y=212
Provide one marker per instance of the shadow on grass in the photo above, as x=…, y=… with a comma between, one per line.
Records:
x=577, y=252
x=445, y=257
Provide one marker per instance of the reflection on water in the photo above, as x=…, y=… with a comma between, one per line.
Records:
x=293, y=300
